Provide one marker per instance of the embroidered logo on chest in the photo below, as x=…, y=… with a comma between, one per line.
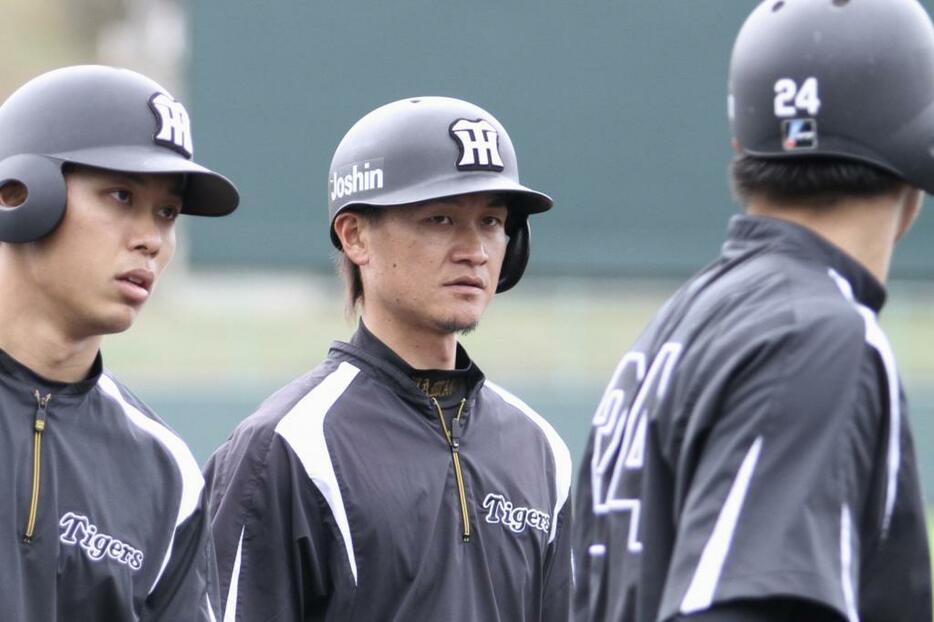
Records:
x=438, y=388
x=77, y=530
x=500, y=510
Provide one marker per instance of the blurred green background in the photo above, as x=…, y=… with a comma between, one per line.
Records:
x=617, y=110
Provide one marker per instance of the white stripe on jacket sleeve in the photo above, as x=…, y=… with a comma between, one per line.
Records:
x=877, y=339
x=700, y=593
x=303, y=429
x=230, y=606
x=192, y=480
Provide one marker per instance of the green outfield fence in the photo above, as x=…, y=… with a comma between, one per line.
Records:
x=617, y=109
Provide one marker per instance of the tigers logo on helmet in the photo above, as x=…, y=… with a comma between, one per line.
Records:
x=479, y=145
x=173, y=128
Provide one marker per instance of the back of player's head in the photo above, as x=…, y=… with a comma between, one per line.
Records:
x=840, y=86
x=102, y=117
x=428, y=148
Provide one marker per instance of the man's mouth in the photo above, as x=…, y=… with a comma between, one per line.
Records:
x=466, y=281
x=136, y=284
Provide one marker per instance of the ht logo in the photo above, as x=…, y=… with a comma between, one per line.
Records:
x=479, y=145
x=619, y=437
x=173, y=127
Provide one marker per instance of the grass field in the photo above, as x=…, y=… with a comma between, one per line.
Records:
x=221, y=328
x=226, y=328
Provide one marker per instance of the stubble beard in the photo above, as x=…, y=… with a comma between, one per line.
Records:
x=453, y=326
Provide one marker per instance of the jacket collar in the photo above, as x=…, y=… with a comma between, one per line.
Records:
x=748, y=232
x=366, y=346
x=16, y=370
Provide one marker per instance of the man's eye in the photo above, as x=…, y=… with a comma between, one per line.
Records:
x=440, y=219
x=493, y=221
x=122, y=196
x=169, y=213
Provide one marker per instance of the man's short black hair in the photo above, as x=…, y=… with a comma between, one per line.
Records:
x=815, y=181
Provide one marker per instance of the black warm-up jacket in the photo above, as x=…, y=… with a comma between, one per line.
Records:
x=348, y=496
x=105, y=518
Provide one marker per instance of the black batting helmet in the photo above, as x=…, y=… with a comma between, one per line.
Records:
x=427, y=148
x=98, y=116
x=839, y=78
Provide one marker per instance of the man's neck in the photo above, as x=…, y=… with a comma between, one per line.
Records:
x=420, y=348
x=38, y=341
x=865, y=229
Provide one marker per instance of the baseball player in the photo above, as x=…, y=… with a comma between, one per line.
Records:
x=393, y=481
x=752, y=458
x=106, y=518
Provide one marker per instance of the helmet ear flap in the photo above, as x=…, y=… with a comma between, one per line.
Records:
x=44, y=206
x=517, y=254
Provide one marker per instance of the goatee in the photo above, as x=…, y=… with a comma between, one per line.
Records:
x=453, y=326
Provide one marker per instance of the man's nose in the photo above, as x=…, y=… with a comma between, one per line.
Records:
x=471, y=246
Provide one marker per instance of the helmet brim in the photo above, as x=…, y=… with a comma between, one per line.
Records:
x=907, y=154
x=206, y=193
x=912, y=149
x=522, y=199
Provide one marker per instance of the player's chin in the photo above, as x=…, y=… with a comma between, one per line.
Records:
x=474, y=303
x=462, y=322
x=456, y=326
x=116, y=319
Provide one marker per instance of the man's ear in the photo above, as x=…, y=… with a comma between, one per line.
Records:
x=912, y=201
x=352, y=230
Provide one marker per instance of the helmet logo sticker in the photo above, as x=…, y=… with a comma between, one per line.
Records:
x=798, y=134
x=356, y=177
x=478, y=142
x=173, y=126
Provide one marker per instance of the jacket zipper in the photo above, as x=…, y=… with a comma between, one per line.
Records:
x=38, y=427
x=454, y=444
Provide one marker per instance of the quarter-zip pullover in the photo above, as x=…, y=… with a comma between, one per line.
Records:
x=755, y=445
x=352, y=495
x=106, y=519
